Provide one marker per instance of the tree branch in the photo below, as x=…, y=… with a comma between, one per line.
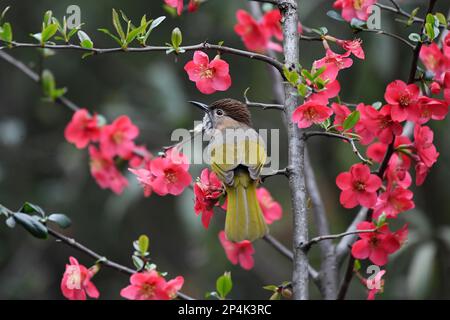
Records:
x=264, y=106
x=309, y=134
x=392, y=35
x=202, y=46
x=315, y=240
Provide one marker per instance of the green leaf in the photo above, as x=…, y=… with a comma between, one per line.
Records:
x=48, y=32
x=177, y=38
x=413, y=15
x=117, y=24
x=155, y=23
x=32, y=225
x=106, y=31
x=134, y=33
x=271, y=287
x=30, y=208
x=357, y=265
x=275, y=296
x=224, y=285
x=2, y=15
x=351, y=120
x=306, y=74
x=357, y=24
x=48, y=17
x=334, y=15
x=430, y=19
x=48, y=83
x=415, y=37
x=441, y=18
x=138, y=262
x=85, y=41
x=60, y=219
x=143, y=243
x=302, y=89
x=6, y=32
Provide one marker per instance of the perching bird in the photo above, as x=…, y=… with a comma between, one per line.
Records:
x=237, y=156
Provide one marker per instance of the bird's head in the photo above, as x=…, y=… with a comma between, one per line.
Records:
x=224, y=113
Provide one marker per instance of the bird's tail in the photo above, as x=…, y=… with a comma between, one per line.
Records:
x=244, y=219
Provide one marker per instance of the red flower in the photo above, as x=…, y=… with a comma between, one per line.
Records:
x=193, y=5
x=381, y=124
x=76, y=282
x=354, y=8
x=105, y=172
x=311, y=113
x=361, y=127
x=423, y=143
x=145, y=178
x=117, y=138
x=82, y=129
x=434, y=60
x=375, y=245
x=358, y=186
x=404, y=100
x=430, y=108
x=376, y=151
x=435, y=87
x=392, y=202
x=271, y=209
x=150, y=285
x=170, y=173
x=207, y=190
x=271, y=21
x=209, y=77
x=139, y=156
x=256, y=35
x=177, y=4
x=333, y=63
x=397, y=172
x=353, y=46
x=447, y=87
x=341, y=113
x=238, y=252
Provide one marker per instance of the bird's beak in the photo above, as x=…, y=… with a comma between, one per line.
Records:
x=201, y=106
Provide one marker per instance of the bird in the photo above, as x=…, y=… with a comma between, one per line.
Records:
x=237, y=154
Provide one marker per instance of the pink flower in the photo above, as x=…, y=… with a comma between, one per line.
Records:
x=209, y=77
x=150, y=285
x=207, y=192
x=76, y=282
x=271, y=209
x=358, y=186
x=139, y=156
x=271, y=21
x=403, y=99
x=82, y=129
x=430, y=108
x=435, y=61
x=354, y=8
x=435, y=87
x=447, y=87
x=367, y=135
x=256, y=35
x=423, y=143
x=392, y=202
x=397, y=172
x=145, y=178
x=177, y=4
x=105, y=172
x=193, y=5
x=341, y=113
x=311, y=113
x=381, y=124
x=238, y=252
x=333, y=63
x=376, y=246
x=353, y=46
x=117, y=138
x=376, y=151
x=375, y=285
x=170, y=173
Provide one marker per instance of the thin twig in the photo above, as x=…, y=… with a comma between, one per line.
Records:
x=315, y=240
x=309, y=134
x=202, y=46
x=392, y=35
x=281, y=172
x=264, y=106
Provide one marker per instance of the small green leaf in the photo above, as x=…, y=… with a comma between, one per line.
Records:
x=143, y=243
x=306, y=74
x=2, y=15
x=441, y=18
x=85, y=41
x=302, y=89
x=6, y=32
x=224, y=285
x=334, y=15
x=430, y=19
x=138, y=262
x=357, y=265
x=60, y=219
x=117, y=24
x=275, y=296
x=48, y=32
x=177, y=38
x=351, y=120
x=271, y=287
x=48, y=17
x=106, y=31
x=415, y=37
x=32, y=225
x=48, y=83
x=155, y=23
x=357, y=24
x=30, y=208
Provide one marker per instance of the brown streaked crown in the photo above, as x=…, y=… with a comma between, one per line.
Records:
x=234, y=109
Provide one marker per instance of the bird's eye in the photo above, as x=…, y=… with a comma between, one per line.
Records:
x=219, y=112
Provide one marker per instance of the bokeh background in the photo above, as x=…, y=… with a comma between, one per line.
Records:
x=38, y=165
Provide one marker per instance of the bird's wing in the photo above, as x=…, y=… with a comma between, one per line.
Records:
x=228, y=153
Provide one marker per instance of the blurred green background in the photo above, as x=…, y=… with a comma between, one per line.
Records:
x=38, y=165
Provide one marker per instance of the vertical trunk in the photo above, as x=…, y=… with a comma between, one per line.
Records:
x=297, y=185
